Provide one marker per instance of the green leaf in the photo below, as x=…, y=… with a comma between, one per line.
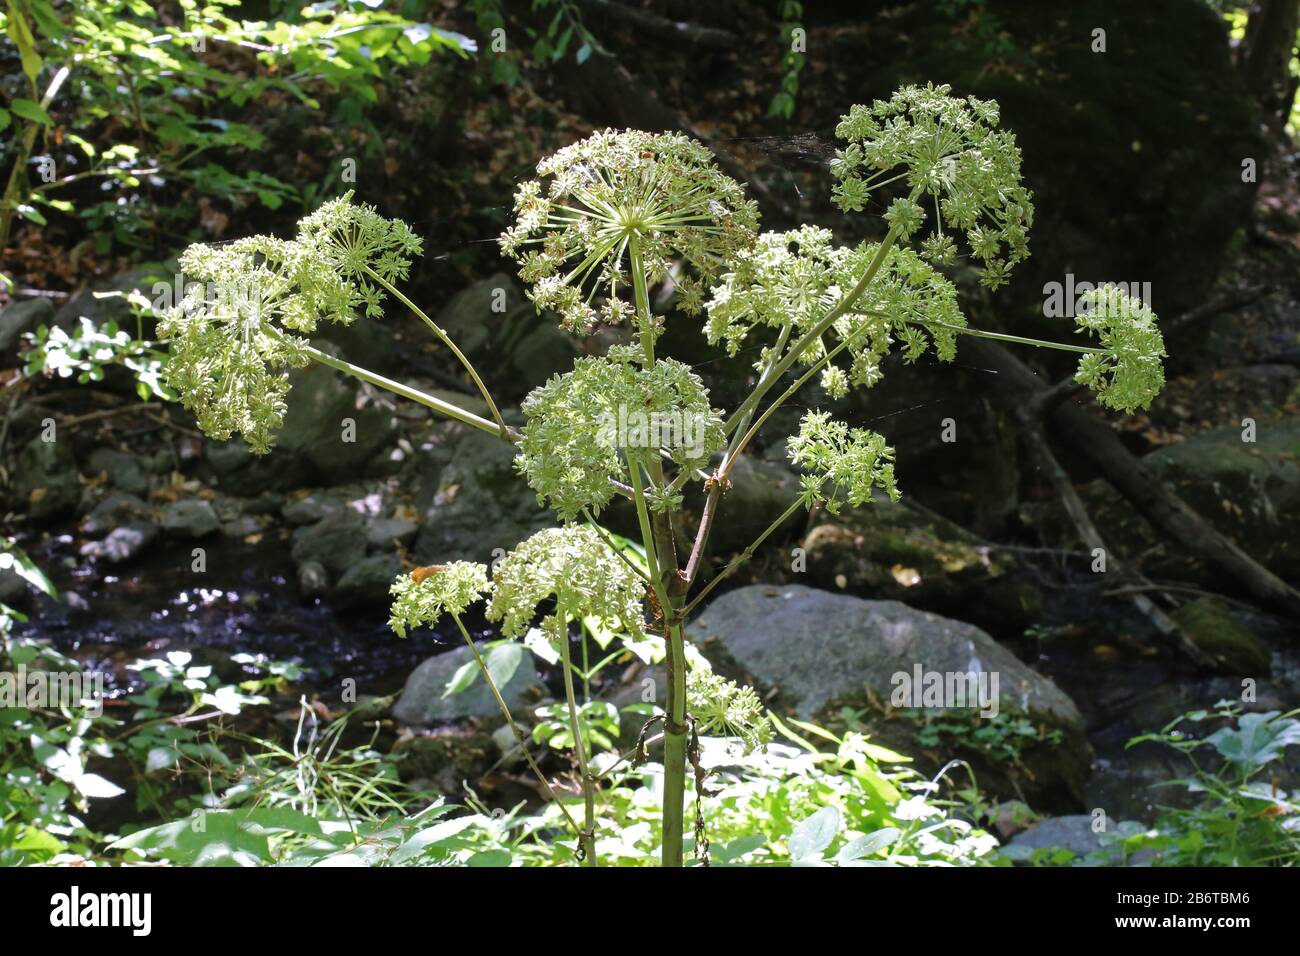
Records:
x=30, y=110
x=813, y=835
x=868, y=844
x=1259, y=739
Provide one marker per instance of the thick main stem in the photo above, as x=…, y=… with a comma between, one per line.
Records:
x=588, y=834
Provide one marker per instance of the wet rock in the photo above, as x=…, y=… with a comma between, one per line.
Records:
x=122, y=544
x=313, y=579
x=324, y=427
x=337, y=542
x=123, y=469
x=112, y=510
x=477, y=505
x=1232, y=644
x=422, y=702
x=310, y=509
x=19, y=317
x=1073, y=833
x=190, y=518
x=383, y=532
x=46, y=481
x=367, y=582
x=820, y=651
x=241, y=527
x=888, y=550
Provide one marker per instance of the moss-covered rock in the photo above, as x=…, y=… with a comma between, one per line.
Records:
x=889, y=550
x=1234, y=646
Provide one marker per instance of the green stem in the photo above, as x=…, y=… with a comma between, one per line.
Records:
x=816, y=332
x=675, y=749
x=744, y=556
x=446, y=340
x=514, y=728
x=588, y=836
x=636, y=267
x=1004, y=337
x=406, y=391
x=675, y=706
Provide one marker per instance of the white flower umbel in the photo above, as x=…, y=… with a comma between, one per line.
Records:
x=617, y=207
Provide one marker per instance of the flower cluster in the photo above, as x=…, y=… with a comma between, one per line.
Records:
x=226, y=360
x=950, y=151
x=725, y=708
x=617, y=200
x=852, y=461
x=794, y=278
x=232, y=337
x=573, y=566
x=347, y=246
x=579, y=422
x=1129, y=372
x=426, y=594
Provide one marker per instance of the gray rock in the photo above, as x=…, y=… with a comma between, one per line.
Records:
x=382, y=532
x=122, y=544
x=422, y=701
x=470, y=314
x=819, y=651
x=241, y=527
x=1072, y=833
x=46, y=482
x=321, y=403
x=310, y=509
x=19, y=317
x=477, y=504
x=368, y=581
x=112, y=510
x=313, y=579
x=337, y=542
x=123, y=469
x=190, y=518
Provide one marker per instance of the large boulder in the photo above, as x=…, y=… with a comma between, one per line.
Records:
x=509, y=342
x=477, y=505
x=817, y=652
x=422, y=701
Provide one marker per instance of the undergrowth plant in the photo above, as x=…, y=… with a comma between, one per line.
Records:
x=608, y=219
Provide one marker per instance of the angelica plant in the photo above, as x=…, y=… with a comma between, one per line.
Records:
x=608, y=218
